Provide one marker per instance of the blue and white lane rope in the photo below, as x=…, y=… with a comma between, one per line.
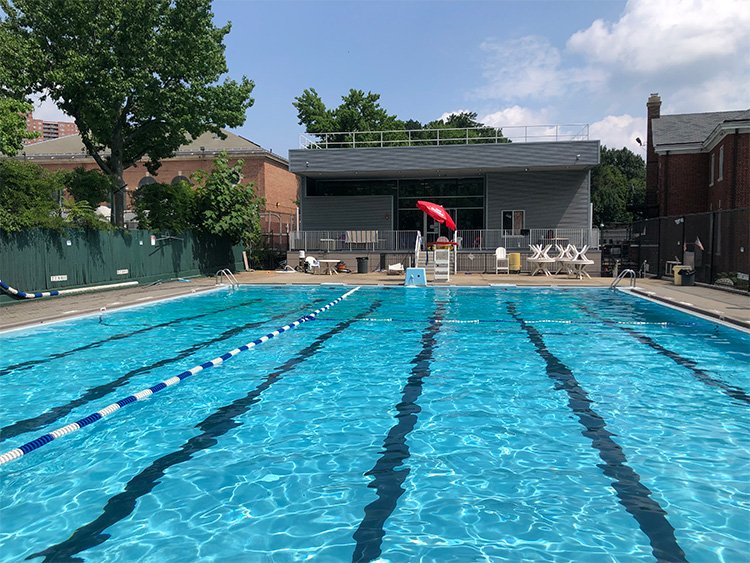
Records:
x=54, y=292
x=106, y=411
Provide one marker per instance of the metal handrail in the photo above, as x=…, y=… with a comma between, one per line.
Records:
x=621, y=276
x=231, y=280
x=445, y=136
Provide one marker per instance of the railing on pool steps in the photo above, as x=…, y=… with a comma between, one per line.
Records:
x=226, y=273
x=106, y=411
x=620, y=277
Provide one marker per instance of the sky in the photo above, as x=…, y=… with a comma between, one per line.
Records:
x=514, y=63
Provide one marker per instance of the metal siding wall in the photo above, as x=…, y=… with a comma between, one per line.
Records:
x=550, y=199
x=29, y=258
x=426, y=160
x=347, y=212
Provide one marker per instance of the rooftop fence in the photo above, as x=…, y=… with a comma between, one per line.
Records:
x=448, y=136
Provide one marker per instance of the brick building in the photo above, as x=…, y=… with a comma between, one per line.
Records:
x=696, y=162
x=269, y=172
x=48, y=129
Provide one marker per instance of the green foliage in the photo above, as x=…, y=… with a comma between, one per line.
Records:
x=80, y=214
x=139, y=77
x=225, y=206
x=618, y=186
x=13, y=125
x=362, y=112
x=89, y=186
x=28, y=196
x=165, y=207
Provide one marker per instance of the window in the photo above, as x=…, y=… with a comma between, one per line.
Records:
x=513, y=220
x=721, y=163
x=711, y=170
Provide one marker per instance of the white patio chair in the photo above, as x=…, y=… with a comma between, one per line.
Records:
x=395, y=269
x=501, y=257
x=312, y=264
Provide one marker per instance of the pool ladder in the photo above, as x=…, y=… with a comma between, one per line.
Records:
x=226, y=273
x=623, y=274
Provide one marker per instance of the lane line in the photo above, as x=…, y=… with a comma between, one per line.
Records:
x=387, y=479
x=93, y=393
x=633, y=495
x=145, y=393
x=212, y=428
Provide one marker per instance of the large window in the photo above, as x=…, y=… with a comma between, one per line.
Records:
x=350, y=187
x=463, y=198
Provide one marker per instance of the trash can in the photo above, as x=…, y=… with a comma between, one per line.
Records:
x=514, y=262
x=683, y=275
x=363, y=264
x=688, y=277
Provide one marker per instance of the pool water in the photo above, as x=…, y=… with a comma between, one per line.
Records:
x=420, y=424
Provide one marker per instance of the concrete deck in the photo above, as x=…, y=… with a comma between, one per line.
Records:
x=732, y=308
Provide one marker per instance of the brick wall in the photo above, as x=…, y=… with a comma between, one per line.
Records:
x=733, y=190
x=281, y=190
x=683, y=183
x=272, y=180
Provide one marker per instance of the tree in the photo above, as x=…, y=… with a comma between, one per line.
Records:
x=140, y=78
x=29, y=196
x=165, y=207
x=225, y=206
x=618, y=186
x=90, y=186
x=473, y=130
x=13, y=125
x=357, y=112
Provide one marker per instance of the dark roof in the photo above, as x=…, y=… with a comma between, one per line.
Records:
x=72, y=144
x=688, y=128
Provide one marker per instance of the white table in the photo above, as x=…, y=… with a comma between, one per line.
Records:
x=330, y=271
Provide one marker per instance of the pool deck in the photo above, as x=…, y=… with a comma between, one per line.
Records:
x=731, y=308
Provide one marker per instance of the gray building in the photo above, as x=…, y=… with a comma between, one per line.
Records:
x=493, y=189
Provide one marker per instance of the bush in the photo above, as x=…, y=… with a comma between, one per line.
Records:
x=29, y=196
x=165, y=207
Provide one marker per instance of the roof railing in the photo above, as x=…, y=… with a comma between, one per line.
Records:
x=447, y=136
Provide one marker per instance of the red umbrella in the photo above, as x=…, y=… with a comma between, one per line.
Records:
x=438, y=213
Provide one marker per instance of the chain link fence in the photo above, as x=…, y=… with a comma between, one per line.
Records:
x=716, y=245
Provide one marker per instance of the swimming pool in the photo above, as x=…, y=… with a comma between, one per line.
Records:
x=433, y=424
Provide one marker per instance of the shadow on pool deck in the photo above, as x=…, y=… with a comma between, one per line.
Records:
x=733, y=308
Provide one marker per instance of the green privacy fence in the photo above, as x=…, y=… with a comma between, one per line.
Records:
x=40, y=260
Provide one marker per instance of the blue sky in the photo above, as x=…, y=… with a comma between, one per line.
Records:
x=512, y=62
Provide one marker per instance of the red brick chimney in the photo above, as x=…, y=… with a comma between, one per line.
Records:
x=653, y=107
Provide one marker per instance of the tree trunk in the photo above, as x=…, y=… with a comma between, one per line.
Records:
x=118, y=196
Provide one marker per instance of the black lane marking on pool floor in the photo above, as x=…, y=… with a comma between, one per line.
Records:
x=736, y=393
x=633, y=495
x=56, y=413
x=387, y=479
x=214, y=426
x=31, y=363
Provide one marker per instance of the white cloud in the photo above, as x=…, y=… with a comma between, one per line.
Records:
x=654, y=36
x=516, y=115
x=522, y=124
x=618, y=131
x=531, y=67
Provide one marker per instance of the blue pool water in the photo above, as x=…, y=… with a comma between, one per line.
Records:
x=425, y=424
